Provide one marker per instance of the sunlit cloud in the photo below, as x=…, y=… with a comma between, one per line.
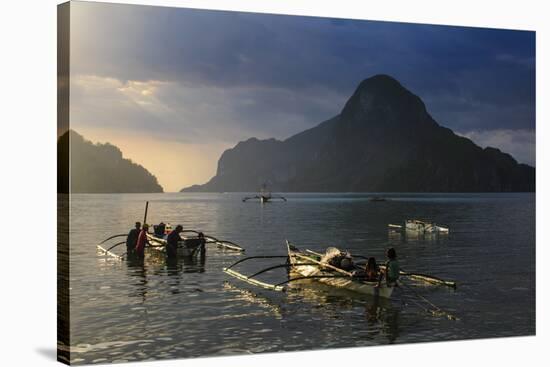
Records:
x=178, y=78
x=518, y=143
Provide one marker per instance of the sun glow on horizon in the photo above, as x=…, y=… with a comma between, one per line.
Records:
x=175, y=165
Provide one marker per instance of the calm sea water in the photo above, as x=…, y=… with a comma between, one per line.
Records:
x=125, y=312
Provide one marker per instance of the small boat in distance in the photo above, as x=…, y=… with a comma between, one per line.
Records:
x=377, y=198
x=264, y=196
x=419, y=226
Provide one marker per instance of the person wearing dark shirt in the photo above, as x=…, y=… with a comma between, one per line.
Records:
x=160, y=229
x=392, y=270
x=202, y=245
x=172, y=242
x=132, y=237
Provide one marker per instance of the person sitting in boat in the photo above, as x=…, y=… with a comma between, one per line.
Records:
x=346, y=261
x=132, y=237
x=392, y=268
x=372, y=272
x=142, y=241
x=172, y=242
x=159, y=230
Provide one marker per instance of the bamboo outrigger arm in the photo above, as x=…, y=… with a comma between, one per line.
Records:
x=256, y=257
x=253, y=281
x=275, y=287
x=115, y=236
x=250, y=197
x=223, y=243
x=115, y=245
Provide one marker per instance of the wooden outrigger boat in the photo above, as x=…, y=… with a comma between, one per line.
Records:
x=304, y=265
x=310, y=265
x=324, y=273
x=190, y=244
x=419, y=226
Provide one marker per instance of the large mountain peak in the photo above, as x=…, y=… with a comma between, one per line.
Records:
x=383, y=140
x=382, y=100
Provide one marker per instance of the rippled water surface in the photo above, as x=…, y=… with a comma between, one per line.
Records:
x=122, y=311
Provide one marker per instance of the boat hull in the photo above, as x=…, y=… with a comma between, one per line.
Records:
x=423, y=227
x=186, y=248
x=354, y=285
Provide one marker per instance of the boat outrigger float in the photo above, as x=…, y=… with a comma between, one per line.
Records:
x=308, y=265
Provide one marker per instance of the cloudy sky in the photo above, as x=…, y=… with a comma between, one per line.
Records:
x=174, y=88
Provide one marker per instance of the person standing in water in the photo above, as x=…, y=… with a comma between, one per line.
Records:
x=172, y=242
x=131, y=239
x=202, y=244
x=142, y=241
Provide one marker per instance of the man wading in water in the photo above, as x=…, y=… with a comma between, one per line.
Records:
x=172, y=242
x=142, y=241
x=132, y=238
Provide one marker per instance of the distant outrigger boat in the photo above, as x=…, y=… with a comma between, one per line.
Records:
x=378, y=198
x=264, y=196
x=419, y=226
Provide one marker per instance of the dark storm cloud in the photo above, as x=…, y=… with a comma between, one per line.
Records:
x=282, y=74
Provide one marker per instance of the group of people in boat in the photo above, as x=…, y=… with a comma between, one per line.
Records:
x=137, y=240
x=371, y=272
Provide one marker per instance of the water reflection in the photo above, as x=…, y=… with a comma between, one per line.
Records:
x=144, y=302
x=137, y=274
x=382, y=319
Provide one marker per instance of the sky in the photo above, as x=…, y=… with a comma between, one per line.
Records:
x=173, y=88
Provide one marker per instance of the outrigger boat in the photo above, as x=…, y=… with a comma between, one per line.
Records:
x=305, y=265
x=332, y=275
x=264, y=196
x=419, y=226
x=188, y=246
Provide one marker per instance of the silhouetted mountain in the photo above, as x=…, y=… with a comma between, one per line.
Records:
x=383, y=140
x=100, y=168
